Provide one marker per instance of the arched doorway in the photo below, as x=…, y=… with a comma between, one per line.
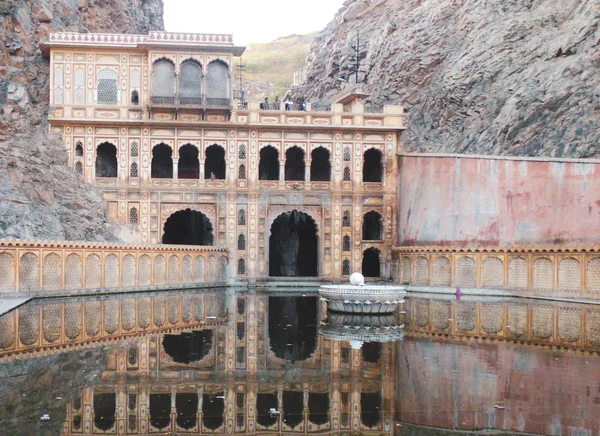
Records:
x=162, y=162
x=214, y=165
x=372, y=166
x=106, y=160
x=294, y=164
x=320, y=166
x=268, y=168
x=188, y=166
x=372, y=229
x=293, y=327
x=293, y=247
x=371, y=263
x=188, y=347
x=188, y=227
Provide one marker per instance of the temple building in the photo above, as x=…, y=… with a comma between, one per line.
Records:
x=292, y=190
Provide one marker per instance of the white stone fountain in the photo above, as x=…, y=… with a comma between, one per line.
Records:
x=356, y=297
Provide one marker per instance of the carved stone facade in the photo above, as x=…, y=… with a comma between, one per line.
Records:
x=119, y=102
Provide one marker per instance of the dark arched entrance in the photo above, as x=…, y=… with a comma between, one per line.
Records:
x=371, y=263
x=188, y=346
x=213, y=407
x=265, y=402
x=293, y=408
x=105, y=406
x=372, y=226
x=318, y=408
x=293, y=247
x=106, y=160
x=293, y=327
x=162, y=162
x=188, y=227
x=268, y=168
x=188, y=166
x=320, y=166
x=214, y=165
x=370, y=409
x=187, y=408
x=294, y=164
x=372, y=167
x=160, y=410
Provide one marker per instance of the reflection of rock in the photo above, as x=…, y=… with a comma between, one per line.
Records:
x=361, y=328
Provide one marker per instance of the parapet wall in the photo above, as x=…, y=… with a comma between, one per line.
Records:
x=482, y=201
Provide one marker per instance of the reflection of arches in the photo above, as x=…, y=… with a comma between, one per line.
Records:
x=264, y=402
x=293, y=245
x=293, y=327
x=105, y=406
x=213, y=406
x=215, y=162
x=346, y=219
x=188, y=227
x=294, y=164
x=188, y=166
x=163, y=82
x=188, y=346
x=372, y=167
x=106, y=160
x=320, y=166
x=268, y=167
x=162, y=162
x=160, y=410
x=372, y=229
x=318, y=408
x=186, y=406
x=293, y=407
x=371, y=264
x=370, y=409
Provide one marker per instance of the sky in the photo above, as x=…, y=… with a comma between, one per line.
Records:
x=249, y=21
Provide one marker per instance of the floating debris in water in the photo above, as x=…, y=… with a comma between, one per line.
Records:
x=45, y=418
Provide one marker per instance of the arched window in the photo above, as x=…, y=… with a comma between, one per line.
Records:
x=106, y=160
x=346, y=243
x=347, y=154
x=190, y=83
x=58, y=96
x=241, y=267
x=79, y=96
x=346, y=174
x=217, y=84
x=162, y=162
x=242, y=172
x=320, y=167
x=79, y=149
x=242, y=153
x=188, y=166
x=134, y=149
x=135, y=97
x=163, y=82
x=268, y=167
x=133, y=172
x=346, y=219
x=372, y=227
x=133, y=215
x=241, y=242
x=241, y=217
x=294, y=164
x=107, y=87
x=214, y=164
x=79, y=168
x=372, y=166
x=346, y=267
x=79, y=81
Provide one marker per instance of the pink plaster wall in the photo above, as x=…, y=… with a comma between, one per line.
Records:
x=477, y=202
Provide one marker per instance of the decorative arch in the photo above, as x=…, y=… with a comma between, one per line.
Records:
x=268, y=167
x=293, y=245
x=214, y=164
x=421, y=271
x=372, y=165
x=108, y=92
x=188, y=166
x=441, y=272
x=295, y=164
x=466, y=272
x=217, y=84
x=190, y=83
x=106, y=160
x=188, y=227
x=163, y=82
x=162, y=162
x=371, y=263
x=320, y=165
x=372, y=229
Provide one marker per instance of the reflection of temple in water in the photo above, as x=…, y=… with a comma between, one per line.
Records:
x=239, y=357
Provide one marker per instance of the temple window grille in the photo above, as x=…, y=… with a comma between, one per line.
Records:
x=134, y=149
x=242, y=217
x=241, y=267
x=132, y=353
x=79, y=168
x=346, y=267
x=346, y=174
x=346, y=243
x=242, y=154
x=242, y=172
x=163, y=82
x=217, y=84
x=346, y=219
x=135, y=78
x=241, y=242
x=134, y=170
x=133, y=215
x=79, y=97
x=190, y=83
x=58, y=76
x=58, y=96
x=135, y=97
x=79, y=81
x=78, y=149
x=132, y=422
x=347, y=154
x=241, y=329
x=107, y=88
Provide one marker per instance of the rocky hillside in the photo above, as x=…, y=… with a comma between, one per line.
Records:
x=511, y=77
x=39, y=196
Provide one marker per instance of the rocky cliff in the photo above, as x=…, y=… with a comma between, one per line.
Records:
x=510, y=77
x=40, y=197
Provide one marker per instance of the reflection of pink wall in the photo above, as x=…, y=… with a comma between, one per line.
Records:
x=457, y=386
x=476, y=201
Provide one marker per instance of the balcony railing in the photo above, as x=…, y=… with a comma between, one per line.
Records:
x=190, y=101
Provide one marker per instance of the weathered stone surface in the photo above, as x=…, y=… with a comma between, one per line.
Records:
x=40, y=197
x=490, y=77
